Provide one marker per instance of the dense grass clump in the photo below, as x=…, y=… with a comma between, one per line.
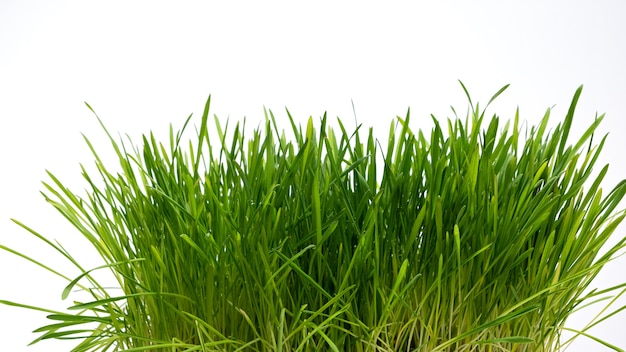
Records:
x=477, y=237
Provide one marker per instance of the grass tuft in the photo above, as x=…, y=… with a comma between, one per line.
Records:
x=477, y=237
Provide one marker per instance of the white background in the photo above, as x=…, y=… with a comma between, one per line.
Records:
x=144, y=65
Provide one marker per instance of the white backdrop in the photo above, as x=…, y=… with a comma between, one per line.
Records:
x=143, y=65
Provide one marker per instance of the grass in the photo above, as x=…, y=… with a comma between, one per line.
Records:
x=477, y=237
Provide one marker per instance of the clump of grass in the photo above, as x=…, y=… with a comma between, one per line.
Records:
x=476, y=238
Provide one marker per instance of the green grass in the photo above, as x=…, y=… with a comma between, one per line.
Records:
x=476, y=236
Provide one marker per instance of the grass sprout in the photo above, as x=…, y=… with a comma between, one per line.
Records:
x=474, y=236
